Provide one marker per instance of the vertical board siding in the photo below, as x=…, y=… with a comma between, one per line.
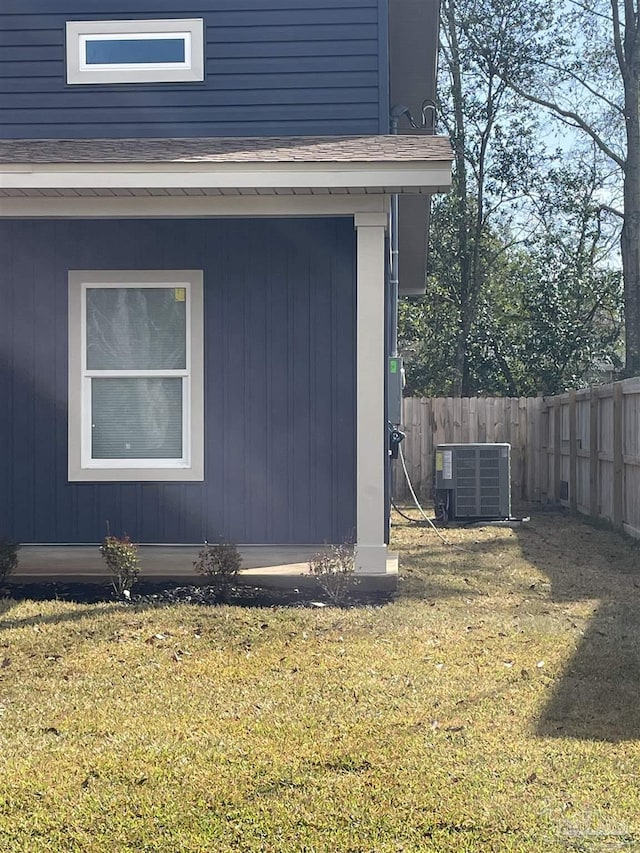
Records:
x=272, y=68
x=279, y=382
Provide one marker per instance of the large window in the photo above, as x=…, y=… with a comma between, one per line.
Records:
x=162, y=51
x=135, y=375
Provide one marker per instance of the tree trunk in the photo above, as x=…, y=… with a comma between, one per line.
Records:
x=462, y=384
x=461, y=346
x=630, y=237
x=460, y=189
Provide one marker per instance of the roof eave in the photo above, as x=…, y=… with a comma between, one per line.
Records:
x=385, y=177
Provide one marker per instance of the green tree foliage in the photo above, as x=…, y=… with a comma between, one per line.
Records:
x=548, y=315
x=578, y=61
x=492, y=142
x=523, y=294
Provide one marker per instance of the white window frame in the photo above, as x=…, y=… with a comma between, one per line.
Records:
x=191, y=30
x=82, y=467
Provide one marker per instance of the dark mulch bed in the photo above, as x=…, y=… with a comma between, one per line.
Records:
x=158, y=594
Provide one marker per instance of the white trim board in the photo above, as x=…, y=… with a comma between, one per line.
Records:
x=194, y=207
x=385, y=177
x=370, y=550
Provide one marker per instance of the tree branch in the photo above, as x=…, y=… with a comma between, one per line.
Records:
x=590, y=10
x=617, y=41
x=583, y=83
x=609, y=209
x=572, y=116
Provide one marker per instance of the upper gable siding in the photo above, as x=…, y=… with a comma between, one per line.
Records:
x=273, y=67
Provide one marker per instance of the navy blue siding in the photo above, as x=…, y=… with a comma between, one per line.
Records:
x=279, y=382
x=273, y=67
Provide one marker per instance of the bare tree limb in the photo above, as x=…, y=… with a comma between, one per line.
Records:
x=584, y=84
x=617, y=40
x=609, y=209
x=590, y=10
x=572, y=116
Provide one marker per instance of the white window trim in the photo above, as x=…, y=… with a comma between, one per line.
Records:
x=189, y=29
x=82, y=468
x=86, y=67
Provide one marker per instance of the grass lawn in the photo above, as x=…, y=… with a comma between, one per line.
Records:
x=494, y=706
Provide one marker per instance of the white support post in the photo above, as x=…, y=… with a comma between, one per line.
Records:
x=370, y=550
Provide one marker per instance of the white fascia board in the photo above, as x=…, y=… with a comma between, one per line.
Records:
x=434, y=176
x=148, y=207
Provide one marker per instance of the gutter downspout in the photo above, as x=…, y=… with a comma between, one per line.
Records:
x=400, y=110
x=394, y=282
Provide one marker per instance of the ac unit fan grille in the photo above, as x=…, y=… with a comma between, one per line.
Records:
x=478, y=482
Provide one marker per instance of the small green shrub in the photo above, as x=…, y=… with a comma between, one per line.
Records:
x=334, y=569
x=220, y=563
x=8, y=557
x=121, y=557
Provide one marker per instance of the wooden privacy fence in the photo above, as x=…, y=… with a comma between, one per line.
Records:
x=452, y=420
x=592, y=453
x=581, y=449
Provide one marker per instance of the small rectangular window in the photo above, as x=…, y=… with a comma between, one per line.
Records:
x=135, y=375
x=153, y=51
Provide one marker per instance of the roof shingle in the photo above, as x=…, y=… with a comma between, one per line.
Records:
x=303, y=149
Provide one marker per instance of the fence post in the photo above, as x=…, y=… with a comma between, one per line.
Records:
x=573, y=453
x=618, y=462
x=594, y=456
x=426, y=446
x=557, y=441
x=545, y=445
x=536, y=450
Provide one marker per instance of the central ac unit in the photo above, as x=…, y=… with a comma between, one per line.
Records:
x=472, y=481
